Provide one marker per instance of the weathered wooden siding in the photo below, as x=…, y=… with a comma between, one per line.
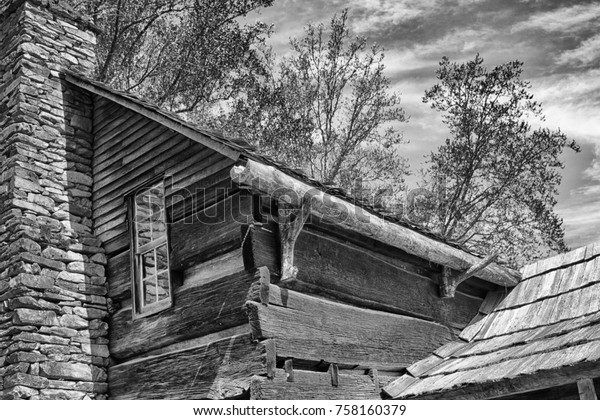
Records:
x=222, y=369
x=129, y=150
x=315, y=329
x=344, y=271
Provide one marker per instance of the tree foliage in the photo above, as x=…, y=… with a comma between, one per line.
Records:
x=495, y=180
x=185, y=55
x=328, y=109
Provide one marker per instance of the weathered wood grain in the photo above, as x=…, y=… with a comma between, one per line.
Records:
x=210, y=232
x=214, y=269
x=186, y=130
x=269, y=180
x=261, y=248
x=343, y=271
x=118, y=273
x=309, y=385
x=314, y=329
x=222, y=369
x=196, y=311
x=586, y=389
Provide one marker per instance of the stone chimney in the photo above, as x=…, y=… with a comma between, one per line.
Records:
x=52, y=285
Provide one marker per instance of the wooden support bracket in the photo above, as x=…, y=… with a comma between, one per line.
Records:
x=449, y=283
x=586, y=389
x=291, y=222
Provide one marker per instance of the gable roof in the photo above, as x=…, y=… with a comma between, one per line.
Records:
x=545, y=333
x=238, y=149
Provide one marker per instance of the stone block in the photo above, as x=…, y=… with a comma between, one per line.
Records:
x=72, y=371
x=24, y=379
x=73, y=321
x=31, y=303
x=23, y=316
x=37, y=282
x=61, y=394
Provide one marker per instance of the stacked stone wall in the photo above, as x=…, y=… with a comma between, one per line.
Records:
x=52, y=280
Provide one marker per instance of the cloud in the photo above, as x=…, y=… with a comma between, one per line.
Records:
x=587, y=52
x=572, y=102
x=565, y=19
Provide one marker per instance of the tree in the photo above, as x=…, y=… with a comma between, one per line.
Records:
x=328, y=110
x=495, y=180
x=184, y=55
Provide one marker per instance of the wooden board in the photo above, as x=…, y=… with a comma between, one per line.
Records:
x=210, y=232
x=309, y=385
x=343, y=271
x=118, y=274
x=214, y=269
x=222, y=369
x=196, y=311
x=315, y=329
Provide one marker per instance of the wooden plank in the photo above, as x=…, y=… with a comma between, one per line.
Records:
x=586, y=389
x=210, y=232
x=174, y=124
x=197, y=311
x=214, y=269
x=200, y=172
x=204, y=340
x=154, y=163
x=315, y=329
x=343, y=271
x=118, y=274
x=136, y=155
x=111, y=145
x=260, y=248
x=219, y=370
x=309, y=385
x=269, y=180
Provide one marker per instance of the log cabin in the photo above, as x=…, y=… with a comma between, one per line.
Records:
x=145, y=257
x=541, y=341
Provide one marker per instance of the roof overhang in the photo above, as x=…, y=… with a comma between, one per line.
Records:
x=271, y=181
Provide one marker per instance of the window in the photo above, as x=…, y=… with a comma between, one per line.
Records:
x=150, y=251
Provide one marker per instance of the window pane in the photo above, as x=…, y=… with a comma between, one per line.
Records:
x=149, y=291
x=148, y=267
x=163, y=286
x=161, y=258
x=144, y=231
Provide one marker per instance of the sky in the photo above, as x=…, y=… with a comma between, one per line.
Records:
x=558, y=41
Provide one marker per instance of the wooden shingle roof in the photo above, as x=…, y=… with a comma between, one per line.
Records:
x=545, y=333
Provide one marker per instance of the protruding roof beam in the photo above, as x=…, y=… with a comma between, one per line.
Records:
x=278, y=185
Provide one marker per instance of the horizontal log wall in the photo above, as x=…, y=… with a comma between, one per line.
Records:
x=318, y=330
x=197, y=310
x=222, y=369
x=340, y=270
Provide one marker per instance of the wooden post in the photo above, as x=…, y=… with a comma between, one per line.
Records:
x=291, y=221
x=334, y=372
x=586, y=389
x=289, y=370
x=449, y=284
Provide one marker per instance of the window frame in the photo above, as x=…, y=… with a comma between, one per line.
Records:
x=139, y=309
